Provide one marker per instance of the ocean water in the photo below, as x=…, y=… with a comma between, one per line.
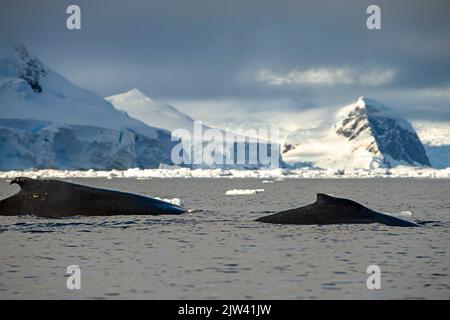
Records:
x=217, y=251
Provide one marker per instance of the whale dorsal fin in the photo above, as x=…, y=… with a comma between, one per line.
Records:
x=325, y=198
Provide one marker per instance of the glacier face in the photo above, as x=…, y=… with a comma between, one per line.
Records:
x=196, y=142
x=435, y=137
x=439, y=155
x=48, y=122
x=40, y=144
x=365, y=134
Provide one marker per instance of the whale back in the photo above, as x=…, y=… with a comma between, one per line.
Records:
x=54, y=198
x=326, y=210
x=331, y=210
x=357, y=213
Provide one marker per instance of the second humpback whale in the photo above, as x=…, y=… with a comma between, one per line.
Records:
x=54, y=198
x=331, y=210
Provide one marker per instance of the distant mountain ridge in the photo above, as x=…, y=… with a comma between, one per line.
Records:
x=46, y=121
x=366, y=134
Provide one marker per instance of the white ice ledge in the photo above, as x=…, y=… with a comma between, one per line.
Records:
x=243, y=192
x=276, y=174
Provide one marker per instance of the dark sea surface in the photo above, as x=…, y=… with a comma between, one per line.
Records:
x=217, y=251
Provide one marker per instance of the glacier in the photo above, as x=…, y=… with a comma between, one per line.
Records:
x=46, y=121
x=158, y=113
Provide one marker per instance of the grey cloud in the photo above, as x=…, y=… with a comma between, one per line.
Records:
x=197, y=49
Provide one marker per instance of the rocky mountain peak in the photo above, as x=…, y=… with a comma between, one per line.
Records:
x=383, y=132
x=32, y=68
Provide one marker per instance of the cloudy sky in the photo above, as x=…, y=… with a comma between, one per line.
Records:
x=215, y=59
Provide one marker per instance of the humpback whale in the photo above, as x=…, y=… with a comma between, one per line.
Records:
x=331, y=210
x=54, y=198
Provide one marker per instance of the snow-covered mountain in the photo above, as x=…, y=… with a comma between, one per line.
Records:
x=365, y=134
x=151, y=111
x=46, y=121
x=160, y=114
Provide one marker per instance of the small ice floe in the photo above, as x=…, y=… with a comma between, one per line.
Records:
x=279, y=179
x=267, y=181
x=402, y=214
x=236, y=192
x=175, y=201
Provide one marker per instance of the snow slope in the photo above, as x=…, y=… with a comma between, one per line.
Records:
x=46, y=121
x=153, y=112
x=160, y=114
x=366, y=134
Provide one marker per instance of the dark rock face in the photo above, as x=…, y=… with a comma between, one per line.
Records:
x=358, y=123
x=287, y=147
x=32, y=69
x=393, y=136
x=399, y=143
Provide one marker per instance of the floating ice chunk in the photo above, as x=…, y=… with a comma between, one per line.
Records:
x=175, y=201
x=267, y=181
x=402, y=214
x=236, y=192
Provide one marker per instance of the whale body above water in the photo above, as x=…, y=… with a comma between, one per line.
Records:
x=54, y=198
x=331, y=210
